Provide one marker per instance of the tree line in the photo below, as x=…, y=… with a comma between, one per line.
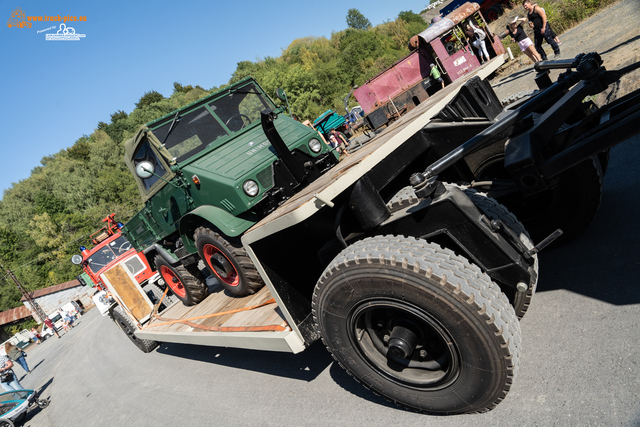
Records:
x=46, y=217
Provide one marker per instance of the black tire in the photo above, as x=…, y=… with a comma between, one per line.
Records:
x=455, y=345
x=519, y=97
x=188, y=285
x=228, y=262
x=494, y=210
x=489, y=206
x=129, y=328
x=6, y=423
x=570, y=204
x=155, y=294
x=493, y=13
x=42, y=403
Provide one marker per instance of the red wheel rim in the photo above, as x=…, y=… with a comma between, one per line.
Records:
x=221, y=266
x=173, y=281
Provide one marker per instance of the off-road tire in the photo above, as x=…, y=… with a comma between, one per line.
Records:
x=188, y=285
x=518, y=96
x=489, y=206
x=493, y=13
x=128, y=327
x=494, y=210
x=470, y=338
x=228, y=261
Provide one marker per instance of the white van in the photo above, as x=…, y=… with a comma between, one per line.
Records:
x=72, y=308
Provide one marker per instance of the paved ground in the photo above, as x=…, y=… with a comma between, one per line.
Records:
x=580, y=364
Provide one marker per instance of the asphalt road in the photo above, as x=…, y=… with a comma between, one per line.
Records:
x=579, y=366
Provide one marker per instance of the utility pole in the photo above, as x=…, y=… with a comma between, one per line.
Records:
x=34, y=305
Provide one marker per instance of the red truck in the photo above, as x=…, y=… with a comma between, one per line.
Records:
x=111, y=248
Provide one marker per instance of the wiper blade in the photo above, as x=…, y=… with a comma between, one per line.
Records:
x=175, y=119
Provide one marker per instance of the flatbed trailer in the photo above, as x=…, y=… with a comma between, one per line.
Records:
x=416, y=290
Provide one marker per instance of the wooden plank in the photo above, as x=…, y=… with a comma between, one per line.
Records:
x=219, y=302
x=128, y=291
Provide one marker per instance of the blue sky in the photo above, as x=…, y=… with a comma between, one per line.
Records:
x=53, y=92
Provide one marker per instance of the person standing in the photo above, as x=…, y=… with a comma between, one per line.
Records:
x=518, y=35
x=541, y=29
x=16, y=355
x=435, y=73
x=8, y=379
x=337, y=140
x=34, y=336
x=478, y=41
x=51, y=326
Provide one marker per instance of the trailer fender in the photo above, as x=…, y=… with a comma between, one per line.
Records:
x=228, y=224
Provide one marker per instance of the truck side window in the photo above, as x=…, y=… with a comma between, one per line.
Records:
x=143, y=153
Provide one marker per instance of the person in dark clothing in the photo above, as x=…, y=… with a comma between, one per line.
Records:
x=541, y=30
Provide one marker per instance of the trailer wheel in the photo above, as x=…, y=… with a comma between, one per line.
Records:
x=155, y=294
x=418, y=325
x=127, y=326
x=489, y=206
x=188, y=286
x=570, y=204
x=493, y=13
x=494, y=210
x=6, y=423
x=43, y=403
x=518, y=96
x=228, y=261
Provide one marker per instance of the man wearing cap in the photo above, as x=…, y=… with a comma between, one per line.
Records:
x=435, y=73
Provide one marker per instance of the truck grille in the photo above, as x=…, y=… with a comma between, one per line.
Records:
x=265, y=178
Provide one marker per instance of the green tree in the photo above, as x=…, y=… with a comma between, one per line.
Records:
x=356, y=20
x=149, y=98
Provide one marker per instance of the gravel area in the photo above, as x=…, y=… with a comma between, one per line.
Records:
x=614, y=33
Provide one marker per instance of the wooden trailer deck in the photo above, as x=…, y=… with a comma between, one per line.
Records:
x=220, y=302
x=239, y=329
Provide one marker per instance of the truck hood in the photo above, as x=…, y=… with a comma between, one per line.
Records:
x=249, y=150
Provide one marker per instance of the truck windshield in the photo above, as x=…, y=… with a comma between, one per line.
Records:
x=193, y=131
x=109, y=253
x=241, y=107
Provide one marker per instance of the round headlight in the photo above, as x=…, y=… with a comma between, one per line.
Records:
x=315, y=145
x=251, y=188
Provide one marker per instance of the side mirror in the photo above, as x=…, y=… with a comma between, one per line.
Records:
x=145, y=169
x=281, y=94
x=76, y=259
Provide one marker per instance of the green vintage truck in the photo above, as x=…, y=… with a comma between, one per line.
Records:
x=209, y=171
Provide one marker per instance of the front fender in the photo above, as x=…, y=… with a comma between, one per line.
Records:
x=228, y=224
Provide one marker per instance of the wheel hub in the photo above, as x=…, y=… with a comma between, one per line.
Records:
x=221, y=266
x=404, y=344
x=172, y=279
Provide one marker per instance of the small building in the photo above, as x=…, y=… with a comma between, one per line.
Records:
x=11, y=317
x=52, y=298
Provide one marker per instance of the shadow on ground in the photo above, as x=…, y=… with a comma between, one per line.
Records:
x=305, y=366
